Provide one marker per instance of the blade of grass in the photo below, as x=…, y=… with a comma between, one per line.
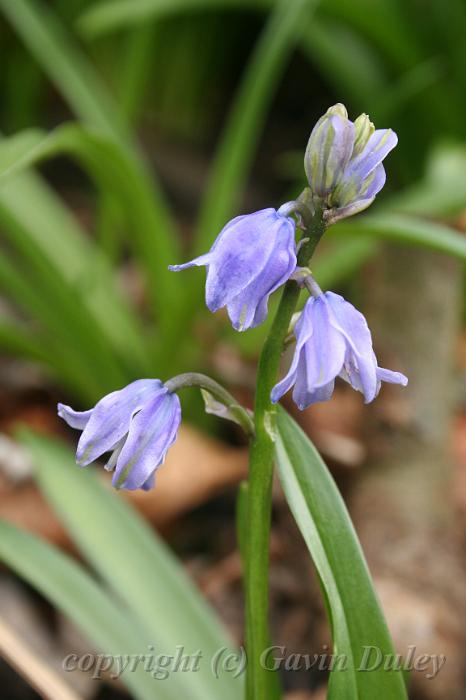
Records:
x=355, y=616
x=135, y=564
x=56, y=308
x=62, y=60
x=45, y=223
x=76, y=594
x=241, y=133
x=240, y=136
x=406, y=229
x=110, y=15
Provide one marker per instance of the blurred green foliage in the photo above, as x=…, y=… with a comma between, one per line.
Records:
x=119, y=70
x=106, y=86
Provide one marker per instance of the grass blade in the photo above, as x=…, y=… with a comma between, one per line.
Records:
x=72, y=590
x=356, y=619
x=240, y=137
x=135, y=564
x=62, y=60
x=110, y=15
x=406, y=229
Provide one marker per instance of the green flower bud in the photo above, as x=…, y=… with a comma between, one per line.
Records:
x=328, y=151
x=364, y=129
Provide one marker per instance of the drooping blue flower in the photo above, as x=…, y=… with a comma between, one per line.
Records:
x=343, y=162
x=332, y=340
x=252, y=256
x=136, y=424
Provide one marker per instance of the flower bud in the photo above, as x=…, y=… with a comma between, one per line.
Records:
x=343, y=162
x=364, y=129
x=328, y=150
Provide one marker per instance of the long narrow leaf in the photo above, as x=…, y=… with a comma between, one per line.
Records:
x=44, y=223
x=72, y=590
x=240, y=137
x=56, y=51
x=407, y=229
x=136, y=565
x=356, y=619
x=110, y=15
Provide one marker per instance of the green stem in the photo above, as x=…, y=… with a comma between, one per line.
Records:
x=238, y=412
x=259, y=680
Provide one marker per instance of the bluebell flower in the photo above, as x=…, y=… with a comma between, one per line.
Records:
x=136, y=424
x=343, y=162
x=252, y=256
x=332, y=340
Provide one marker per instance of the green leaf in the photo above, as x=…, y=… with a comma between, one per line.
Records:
x=341, y=258
x=442, y=192
x=61, y=58
x=110, y=15
x=356, y=618
x=112, y=169
x=77, y=595
x=57, y=308
x=136, y=564
x=46, y=227
x=241, y=134
x=406, y=229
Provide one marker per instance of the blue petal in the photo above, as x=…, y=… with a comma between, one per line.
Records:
x=359, y=205
x=305, y=397
x=377, y=148
x=303, y=332
x=386, y=375
x=376, y=182
x=318, y=358
x=75, y=419
x=249, y=308
x=360, y=363
x=241, y=253
x=325, y=351
x=197, y=262
x=152, y=431
x=110, y=419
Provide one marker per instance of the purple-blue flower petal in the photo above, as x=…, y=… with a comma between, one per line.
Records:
x=303, y=332
x=110, y=419
x=318, y=358
x=75, y=419
x=375, y=183
x=360, y=362
x=376, y=149
x=249, y=308
x=332, y=339
x=197, y=262
x=325, y=350
x=252, y=256
x=386, y=375
x=151, y=432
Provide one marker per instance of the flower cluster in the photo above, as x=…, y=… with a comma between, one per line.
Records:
x=343, y=163
x=252, y=257
x=136, y=425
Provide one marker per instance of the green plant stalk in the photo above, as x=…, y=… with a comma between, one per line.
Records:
x=259, y=680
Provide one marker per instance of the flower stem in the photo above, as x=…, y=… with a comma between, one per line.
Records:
x=260, y=682
x=241, y=415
